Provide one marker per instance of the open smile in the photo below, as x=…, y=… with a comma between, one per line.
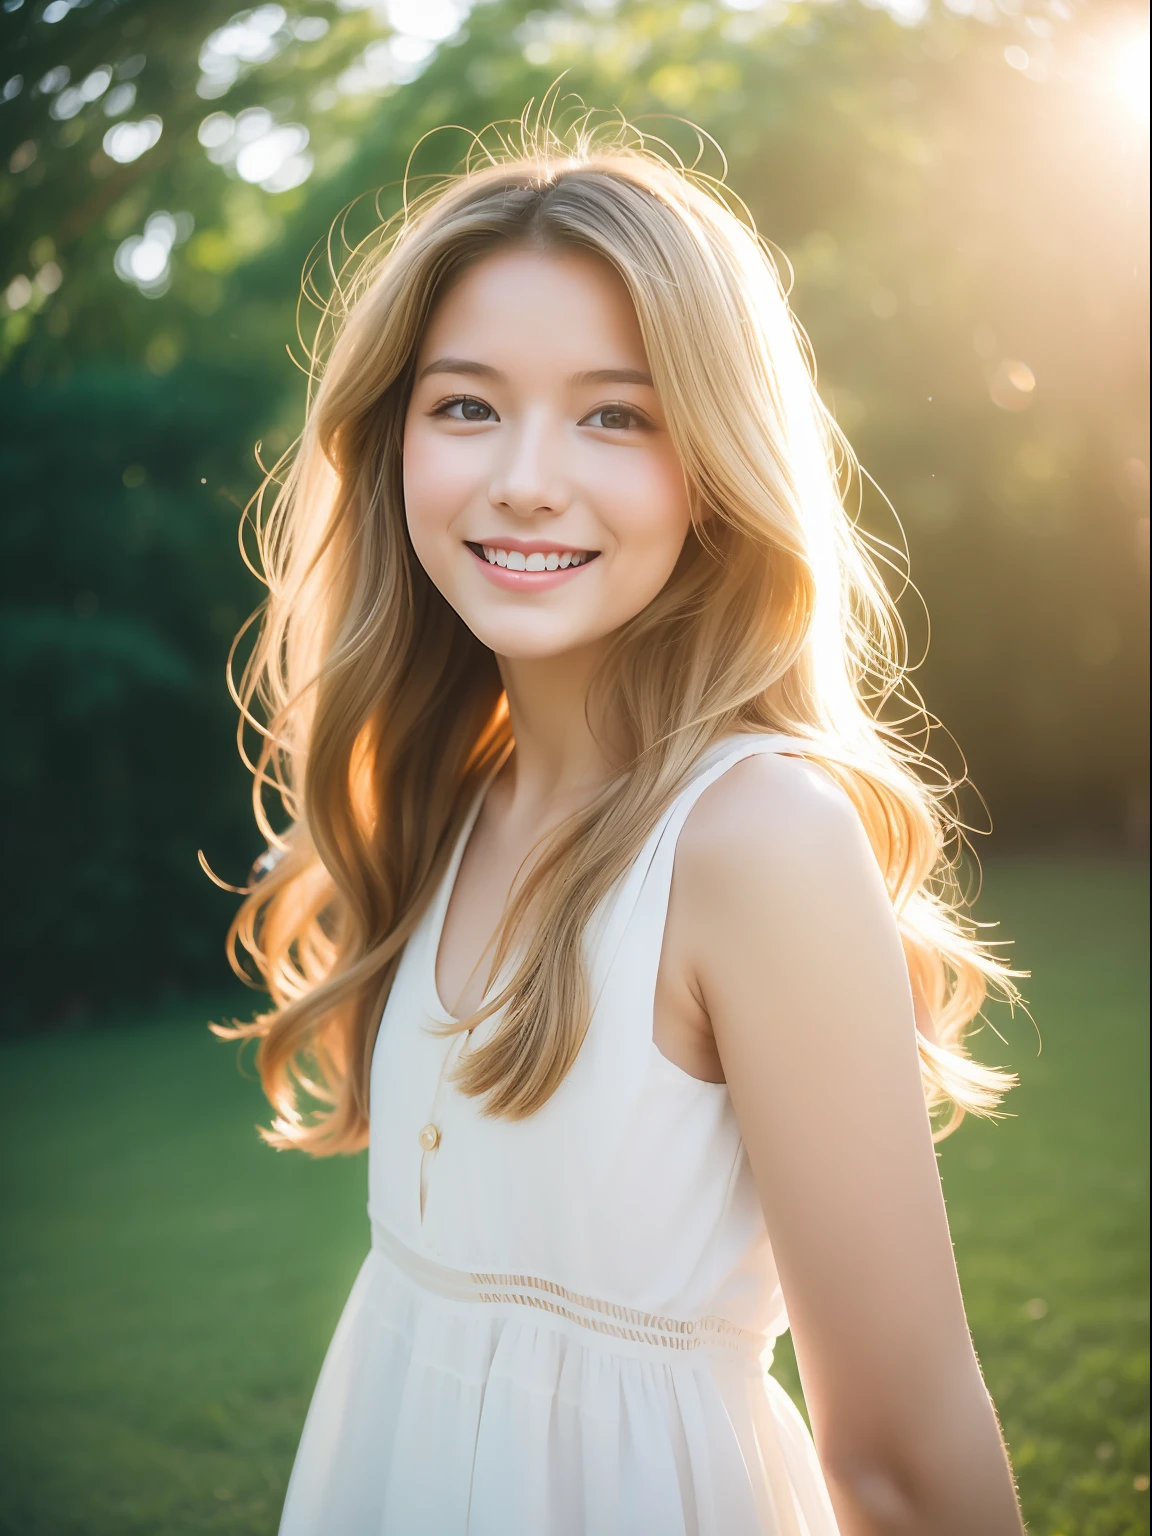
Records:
x=533, y=568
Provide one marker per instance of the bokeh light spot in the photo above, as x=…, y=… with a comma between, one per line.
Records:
x=22, y=156
x=18, y=292
x=69, y=102
x=432, y=20
x=54, y=80
x=144, y=260
x=249, y=38
x=93, y=86
x=121, y=98
x=128, y=141
x=1011, y=385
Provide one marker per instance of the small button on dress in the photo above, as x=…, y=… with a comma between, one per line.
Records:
x=564, y=1323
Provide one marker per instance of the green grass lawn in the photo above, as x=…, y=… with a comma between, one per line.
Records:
x=169, y=1284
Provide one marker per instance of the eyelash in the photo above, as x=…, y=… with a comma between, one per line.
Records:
x=444, y=406
x=641, y=423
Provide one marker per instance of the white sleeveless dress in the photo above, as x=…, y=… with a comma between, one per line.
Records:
x=564, y=1324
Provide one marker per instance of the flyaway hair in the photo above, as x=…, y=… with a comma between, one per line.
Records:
x=380, y=714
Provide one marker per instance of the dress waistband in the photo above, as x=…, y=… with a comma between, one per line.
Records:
x=591, y=1312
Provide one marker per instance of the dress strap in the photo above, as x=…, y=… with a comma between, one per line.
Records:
x=637, y=920
x=715, y=762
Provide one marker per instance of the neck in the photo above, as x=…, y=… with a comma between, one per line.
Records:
x=558, y=763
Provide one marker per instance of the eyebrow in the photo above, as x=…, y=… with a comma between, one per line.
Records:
x=459, y=365
x=473, y=369
x=614, y=376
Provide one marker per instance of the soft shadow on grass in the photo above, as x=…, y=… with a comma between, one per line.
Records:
x=170, y=1284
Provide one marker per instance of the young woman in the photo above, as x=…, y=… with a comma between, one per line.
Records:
x=609, y=918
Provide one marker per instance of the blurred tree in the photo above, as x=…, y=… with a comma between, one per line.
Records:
x=963, y=202
x=121, y=604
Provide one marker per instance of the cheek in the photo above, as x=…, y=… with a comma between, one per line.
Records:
x=436, y=483
x=652, y=505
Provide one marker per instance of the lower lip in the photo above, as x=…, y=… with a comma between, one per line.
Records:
x=527, y=581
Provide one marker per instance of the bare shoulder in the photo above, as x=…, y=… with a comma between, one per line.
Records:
x=769, y=821
x=784, y=908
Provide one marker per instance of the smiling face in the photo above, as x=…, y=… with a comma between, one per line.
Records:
x=543, y=494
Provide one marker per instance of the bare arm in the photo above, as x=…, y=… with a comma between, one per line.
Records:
x=800, y=969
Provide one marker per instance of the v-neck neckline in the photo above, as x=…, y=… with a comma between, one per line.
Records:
x=435, y=1004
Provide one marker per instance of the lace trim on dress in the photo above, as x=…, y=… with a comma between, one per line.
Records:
x=606, y=1317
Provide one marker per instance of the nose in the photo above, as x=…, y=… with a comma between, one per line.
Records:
x=528, y=478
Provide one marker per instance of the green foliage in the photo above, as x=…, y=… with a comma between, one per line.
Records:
x=170, y=1284
x=117, y=620
x=968, y=242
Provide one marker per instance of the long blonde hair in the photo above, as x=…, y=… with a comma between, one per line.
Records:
x=380, y=714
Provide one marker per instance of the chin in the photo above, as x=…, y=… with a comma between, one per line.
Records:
x=526, y=641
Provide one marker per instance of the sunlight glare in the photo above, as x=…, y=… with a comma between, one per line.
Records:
x=1130, y=74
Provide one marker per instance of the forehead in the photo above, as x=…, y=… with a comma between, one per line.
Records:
x=563, y=306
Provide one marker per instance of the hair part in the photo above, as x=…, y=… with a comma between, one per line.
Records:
x=380, y=714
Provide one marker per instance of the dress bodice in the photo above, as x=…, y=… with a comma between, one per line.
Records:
x=631, y=1183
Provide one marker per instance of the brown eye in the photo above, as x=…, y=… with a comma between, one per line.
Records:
x=467, y=408
x=616, y=418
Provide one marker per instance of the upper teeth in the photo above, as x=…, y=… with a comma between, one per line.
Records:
x=517, y=560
